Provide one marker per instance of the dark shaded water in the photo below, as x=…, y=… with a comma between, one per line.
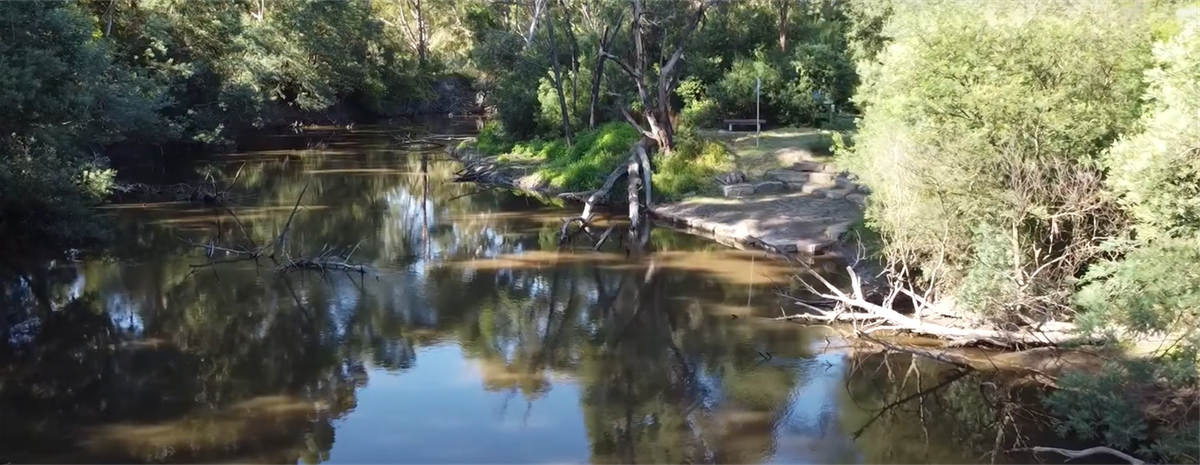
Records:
x=471, y=338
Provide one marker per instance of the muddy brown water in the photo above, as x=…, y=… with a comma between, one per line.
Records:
x=471, y=338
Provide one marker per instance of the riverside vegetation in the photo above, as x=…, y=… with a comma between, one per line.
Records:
x=1031, y=164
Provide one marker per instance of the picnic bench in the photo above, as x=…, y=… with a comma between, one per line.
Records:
x=757, y=123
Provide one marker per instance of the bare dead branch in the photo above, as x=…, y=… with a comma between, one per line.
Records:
x=1074, y=454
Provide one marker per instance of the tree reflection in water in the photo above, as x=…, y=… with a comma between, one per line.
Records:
x=127, y=358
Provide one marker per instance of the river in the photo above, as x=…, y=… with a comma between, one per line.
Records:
x=470, y=337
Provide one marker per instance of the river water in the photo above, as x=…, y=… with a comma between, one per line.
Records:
x=471, y=337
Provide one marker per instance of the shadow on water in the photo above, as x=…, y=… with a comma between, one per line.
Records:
x=471, y=338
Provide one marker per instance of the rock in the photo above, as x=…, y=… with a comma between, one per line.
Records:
x=822, y=179
x=737, y=190
x=812, y=247
x=812, y=189
x=844, y=182
x=836, y=193
x=770, y=187
x=730, y=178
x=858, y=199
x=788, y=176
x=834, y=232
x=808, y=166
x=863, y=188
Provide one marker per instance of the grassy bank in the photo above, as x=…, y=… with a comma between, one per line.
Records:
x=689, y=170
x=778, y=148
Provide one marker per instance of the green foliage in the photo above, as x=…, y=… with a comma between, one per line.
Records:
x=47, y=196
x=1157, y=171
x=972, y=147
x=579, y=167
x=1153, y=289
x=790, y=83
x=737, y=85
x=60, y=94
x=80, y=76
x=493, y=139
x=994, y=162
x=690, y=168
x=699, y=110
x=1101, y=401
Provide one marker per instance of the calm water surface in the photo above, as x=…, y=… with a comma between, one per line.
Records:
x=471, y=338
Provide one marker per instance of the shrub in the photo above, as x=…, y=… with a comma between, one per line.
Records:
x=736, y=88
x=1157, y=172
x=493, y=139
x=973, y=147
x=585, y=165
x=691, y=168
x=1150, y=288
x=699, y=111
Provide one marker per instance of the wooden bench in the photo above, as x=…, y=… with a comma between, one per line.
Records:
x=757, y=123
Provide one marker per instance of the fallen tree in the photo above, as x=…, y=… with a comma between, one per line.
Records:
x=636, y=171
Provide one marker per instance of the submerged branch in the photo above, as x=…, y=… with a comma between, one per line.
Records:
x=1074, y=454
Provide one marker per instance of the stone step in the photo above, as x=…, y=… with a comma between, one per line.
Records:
x=822, y=179
x=788, y=176
x=758, y=188
x=809, y=166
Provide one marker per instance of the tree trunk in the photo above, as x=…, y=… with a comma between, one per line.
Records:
x=574, y=53
x=108, y=17
x=656, y=105
x=533, y=23
x=598, y=73
x=422, y=34
x=784, y=5
x=661, y=129
x=558, y=87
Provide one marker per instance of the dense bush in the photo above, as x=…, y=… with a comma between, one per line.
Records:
x=581, y=166
x=493, y=139
x=1151, y=289
x=80, y=76
x=699, y=110
x=971, y=143
x=1018, y=179
x=61, y=97
x=1156, y=172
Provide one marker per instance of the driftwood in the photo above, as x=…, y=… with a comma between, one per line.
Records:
x=1074, y=454
x=854, y=307
x=324, y=261
x=428, y=142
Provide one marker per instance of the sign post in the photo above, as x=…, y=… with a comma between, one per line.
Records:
x=757, y=110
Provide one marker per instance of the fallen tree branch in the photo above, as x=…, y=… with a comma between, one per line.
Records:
x=323, y=265
x=868, y=311
x=585, y=219
x=1074, y=454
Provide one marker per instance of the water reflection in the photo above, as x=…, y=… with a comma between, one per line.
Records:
x=471, y=338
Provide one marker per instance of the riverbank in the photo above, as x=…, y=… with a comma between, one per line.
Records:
x=787, y=196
